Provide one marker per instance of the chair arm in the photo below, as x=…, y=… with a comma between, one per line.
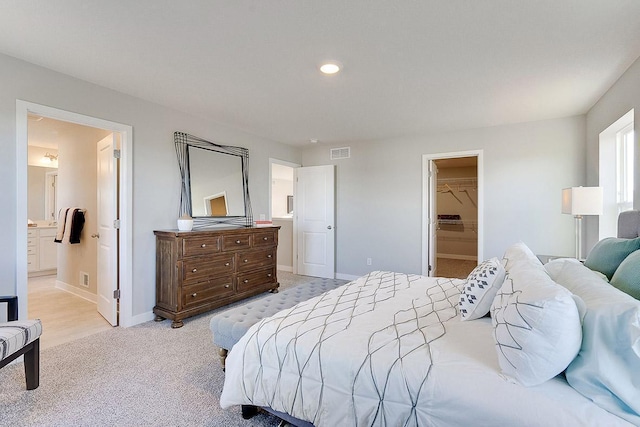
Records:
x=12, y=307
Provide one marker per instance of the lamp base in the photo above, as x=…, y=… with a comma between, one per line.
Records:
x=578, y=221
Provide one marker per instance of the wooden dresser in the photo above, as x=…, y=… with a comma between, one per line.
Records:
x=197, y=271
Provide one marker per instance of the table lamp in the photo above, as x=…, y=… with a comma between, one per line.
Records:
x=581, y=201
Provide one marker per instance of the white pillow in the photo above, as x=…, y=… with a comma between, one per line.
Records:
x=607, y=369
x=518, y=252
x=480, y=289
x=536, y=325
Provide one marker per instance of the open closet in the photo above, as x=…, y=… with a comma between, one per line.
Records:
x=457, y=216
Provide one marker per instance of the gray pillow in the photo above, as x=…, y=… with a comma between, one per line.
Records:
x=608, y=253
x=627, y=275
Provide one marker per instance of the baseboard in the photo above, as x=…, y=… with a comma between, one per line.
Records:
x=40, y=273
x=77, y=291
x=455, y=256
x=287, y=268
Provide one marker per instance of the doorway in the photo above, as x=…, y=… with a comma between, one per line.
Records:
x=452, y=213
x=61, y=277
x=124, y=245
x=281, y=209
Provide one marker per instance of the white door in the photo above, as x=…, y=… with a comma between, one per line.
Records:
x=433, y=218
x=314, y=221
x=107, y=234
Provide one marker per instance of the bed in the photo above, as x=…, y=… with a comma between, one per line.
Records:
x=516, y=343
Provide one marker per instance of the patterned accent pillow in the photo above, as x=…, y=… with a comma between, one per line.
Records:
x=536, y=325
x=480, y=288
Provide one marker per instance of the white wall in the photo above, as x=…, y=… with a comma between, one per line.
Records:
x=156, y=180
x=379, y=191
x=77, y=183
x=619, y=99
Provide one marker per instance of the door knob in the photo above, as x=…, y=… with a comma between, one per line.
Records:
x=328, y=227
x=96, y=236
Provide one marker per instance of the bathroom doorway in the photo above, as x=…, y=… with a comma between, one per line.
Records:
x=123, y=199
x=62, y=277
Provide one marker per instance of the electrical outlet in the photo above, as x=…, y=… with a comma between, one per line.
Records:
x=368, y=261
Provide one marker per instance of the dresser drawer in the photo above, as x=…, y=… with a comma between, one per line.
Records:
x=234, y=242
x=199, y=268
x=203, y=292
x=200, y=246
x=252, y=260
x=32, y=241
x=247, y=281
x=267, y=238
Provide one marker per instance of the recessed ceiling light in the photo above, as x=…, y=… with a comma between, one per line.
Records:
x=331, y=67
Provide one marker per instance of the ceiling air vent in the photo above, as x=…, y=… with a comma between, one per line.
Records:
x=340, y=153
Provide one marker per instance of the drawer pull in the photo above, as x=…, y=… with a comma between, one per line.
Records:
x=227, y=264
x=238, y=241
x=245, y=281
x=265, y=238
x=194, y=270
x=269, y=275
x=226, y=286
x=269, y=256
x=194, y=294
x=204, y=245
x=246, y=260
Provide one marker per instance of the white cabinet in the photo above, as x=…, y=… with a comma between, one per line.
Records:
x=42, y=251
x=32, y=250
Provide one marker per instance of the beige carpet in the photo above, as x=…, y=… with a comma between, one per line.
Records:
x=147, y=375
x=460, y=269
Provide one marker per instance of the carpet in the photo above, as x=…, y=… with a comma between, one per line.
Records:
x=146, y=375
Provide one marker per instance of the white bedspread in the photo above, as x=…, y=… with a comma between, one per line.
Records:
x=389, y=349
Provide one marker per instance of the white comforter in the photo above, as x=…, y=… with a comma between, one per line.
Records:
x=389, y=349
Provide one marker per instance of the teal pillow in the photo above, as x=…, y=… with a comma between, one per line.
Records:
x=608, y=253
x=627, y=276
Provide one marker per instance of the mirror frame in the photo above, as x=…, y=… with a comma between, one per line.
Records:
x=182, y=142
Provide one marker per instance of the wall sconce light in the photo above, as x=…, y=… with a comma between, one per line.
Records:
x=580, y=201
x=49, y=158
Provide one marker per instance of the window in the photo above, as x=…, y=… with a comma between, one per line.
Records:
x=616, y=172
x=624, y=168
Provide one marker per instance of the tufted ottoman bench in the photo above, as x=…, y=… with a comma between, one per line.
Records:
x=230, y=325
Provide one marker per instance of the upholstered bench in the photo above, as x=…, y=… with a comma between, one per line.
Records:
x=21, y=337
x=230, y=325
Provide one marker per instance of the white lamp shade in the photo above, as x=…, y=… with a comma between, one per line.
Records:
x=582, y=201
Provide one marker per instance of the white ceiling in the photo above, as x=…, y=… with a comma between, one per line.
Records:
x=410, y=67
x=49, y=133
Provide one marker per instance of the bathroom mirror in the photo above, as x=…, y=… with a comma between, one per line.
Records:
x=215, y=187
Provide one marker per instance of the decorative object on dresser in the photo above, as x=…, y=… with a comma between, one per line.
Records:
x=197, y=271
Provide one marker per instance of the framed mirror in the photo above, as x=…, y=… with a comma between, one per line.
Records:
x=215, y=187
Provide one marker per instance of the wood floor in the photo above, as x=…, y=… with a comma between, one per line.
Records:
x=65, y=317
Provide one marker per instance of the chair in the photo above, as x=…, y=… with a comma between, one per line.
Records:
x=21, y=337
